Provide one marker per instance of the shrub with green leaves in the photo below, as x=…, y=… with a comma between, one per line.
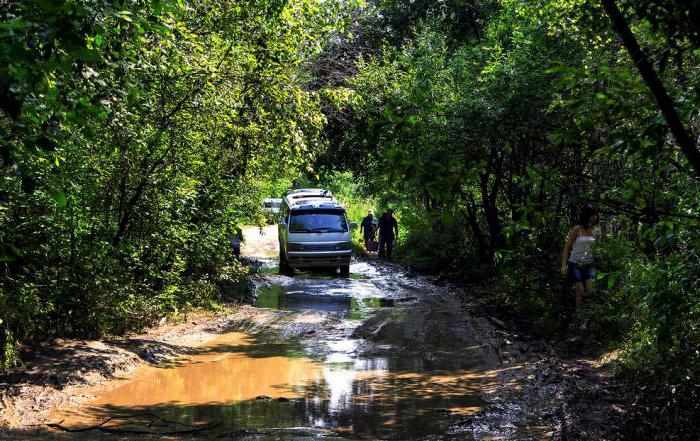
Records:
x=509, y=117
x=134, y=136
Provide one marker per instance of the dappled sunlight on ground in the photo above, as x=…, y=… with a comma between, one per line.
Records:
x=260, y=241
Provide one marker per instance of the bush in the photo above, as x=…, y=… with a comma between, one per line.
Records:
x=113, y=293
x=661, y=358
x=438, y=244
x=611, y=314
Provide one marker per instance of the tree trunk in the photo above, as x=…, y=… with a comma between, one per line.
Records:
x=473, y=219
x=489, y=198
x=682, y=135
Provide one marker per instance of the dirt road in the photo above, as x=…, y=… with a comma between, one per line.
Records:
x=384, y=354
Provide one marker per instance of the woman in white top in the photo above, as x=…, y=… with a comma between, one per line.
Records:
x=577, y=257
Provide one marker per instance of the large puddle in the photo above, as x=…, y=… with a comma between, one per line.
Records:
x=242, y=381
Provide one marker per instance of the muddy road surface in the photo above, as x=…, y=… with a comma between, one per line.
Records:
x=383, y=354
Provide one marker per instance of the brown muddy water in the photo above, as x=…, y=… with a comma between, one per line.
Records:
x=393, y=365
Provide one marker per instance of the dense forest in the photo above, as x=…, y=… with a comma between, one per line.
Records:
x=134, y=136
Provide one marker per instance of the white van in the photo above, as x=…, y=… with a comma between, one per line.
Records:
x=313, y=232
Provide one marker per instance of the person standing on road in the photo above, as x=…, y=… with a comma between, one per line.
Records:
x=368, y=227
x=236, y=241
x=577, y=257
x=388, y=232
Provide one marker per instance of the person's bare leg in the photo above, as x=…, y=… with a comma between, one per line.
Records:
x=578, y=287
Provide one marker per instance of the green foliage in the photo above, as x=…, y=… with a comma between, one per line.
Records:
x=7, y=349
x=438, y=244
x=490, y=141
x=133, y=137
x=656, y=302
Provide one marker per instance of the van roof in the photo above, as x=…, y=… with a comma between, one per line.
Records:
x=308, y=192
x=309, y=198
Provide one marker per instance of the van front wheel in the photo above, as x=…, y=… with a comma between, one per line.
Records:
x=345, y=271
x=284, y=266
x=289, y=271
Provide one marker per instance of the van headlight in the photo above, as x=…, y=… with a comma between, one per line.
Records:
x=295, y=246
x=343, y=246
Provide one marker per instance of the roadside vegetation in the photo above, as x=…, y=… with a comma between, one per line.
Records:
x=135, y=135
x=488, y=125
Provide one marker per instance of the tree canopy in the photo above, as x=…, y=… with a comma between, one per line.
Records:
x=134, y=135
x=489, y=136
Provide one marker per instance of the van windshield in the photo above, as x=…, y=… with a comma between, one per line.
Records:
x=317, y=221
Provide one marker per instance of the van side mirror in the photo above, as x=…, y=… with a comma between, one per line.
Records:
x=353, y=225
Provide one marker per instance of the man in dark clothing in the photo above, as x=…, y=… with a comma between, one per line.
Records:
x=388, y=232
x=368, y=227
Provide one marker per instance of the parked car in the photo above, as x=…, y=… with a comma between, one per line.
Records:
x=314, y=232
x=272, y=205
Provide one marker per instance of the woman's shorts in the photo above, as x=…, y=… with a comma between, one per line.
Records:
x=578, y=273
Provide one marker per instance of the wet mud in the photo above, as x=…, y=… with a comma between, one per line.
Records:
x=382, y=354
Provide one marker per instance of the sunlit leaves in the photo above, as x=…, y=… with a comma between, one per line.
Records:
x=59, y=197
x=134, y=135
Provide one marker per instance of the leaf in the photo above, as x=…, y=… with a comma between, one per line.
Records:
x=157, y=6
x=59, y=197
x=124, y=15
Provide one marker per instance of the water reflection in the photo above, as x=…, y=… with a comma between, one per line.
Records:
x=281, y=297
x=243, y=382
x=276, y=297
